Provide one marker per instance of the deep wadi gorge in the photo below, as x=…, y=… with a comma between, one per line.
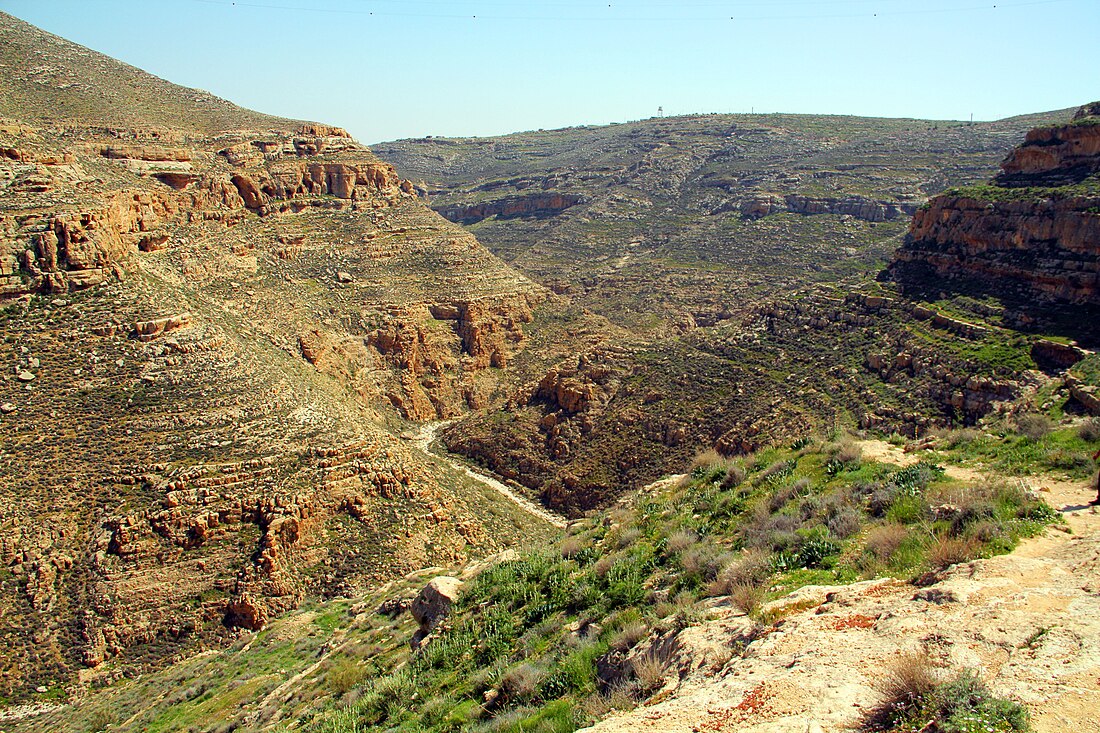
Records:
x=689, y=423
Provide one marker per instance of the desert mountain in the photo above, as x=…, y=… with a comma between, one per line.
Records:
x=214, y=323
x=229, y=340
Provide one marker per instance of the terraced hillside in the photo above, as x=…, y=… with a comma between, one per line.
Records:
x=214, y=325
x=664, y=224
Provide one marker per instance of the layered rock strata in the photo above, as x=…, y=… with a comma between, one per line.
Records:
x=1031, y=238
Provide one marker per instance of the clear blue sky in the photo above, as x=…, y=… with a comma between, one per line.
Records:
x=386, y=69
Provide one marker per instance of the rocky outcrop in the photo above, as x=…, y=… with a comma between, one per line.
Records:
x=1056, y=355
x=856, y=206
x=149, y=330
x=1045, y=248
x=1085, y=395
x=432, y=605
x=437, y=348
x=1056, y=155
x=1032, y=238
x=83, y=247
x=537, y=205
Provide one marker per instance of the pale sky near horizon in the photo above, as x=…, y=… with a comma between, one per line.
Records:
x=388, y=69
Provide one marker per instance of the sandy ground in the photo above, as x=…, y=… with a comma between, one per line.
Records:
x=1027, y=622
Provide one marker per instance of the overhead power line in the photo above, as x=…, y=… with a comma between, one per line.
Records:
x=611, y=13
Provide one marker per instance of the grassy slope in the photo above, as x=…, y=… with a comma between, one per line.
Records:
x=556, y=637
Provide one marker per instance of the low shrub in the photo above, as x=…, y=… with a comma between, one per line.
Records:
x=963, y=704
x=521, y=683
x=735, y=476
x=1089, y=430
x=680, y=541
x=883, y=541
x=903, y=686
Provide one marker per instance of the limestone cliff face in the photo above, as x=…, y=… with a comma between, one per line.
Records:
x=857, y=206
x=1055, y=156
x=1031, y=238
x=1047, y=248
x=82, y=245
x=532, y=205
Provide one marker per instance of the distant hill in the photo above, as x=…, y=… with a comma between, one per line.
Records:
x=662, y=223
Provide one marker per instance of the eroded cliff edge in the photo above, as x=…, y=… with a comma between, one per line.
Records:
x=1030, y=238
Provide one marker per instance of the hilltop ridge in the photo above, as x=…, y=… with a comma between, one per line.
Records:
x=48, y=80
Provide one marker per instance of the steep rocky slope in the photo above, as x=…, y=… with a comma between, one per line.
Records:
x=665, y=224
x=213, y=322
x=1030, y=239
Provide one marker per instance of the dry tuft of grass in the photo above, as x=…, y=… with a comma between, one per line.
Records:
x=707, y=460
x=629, y=635
x=1089, y=430
x=572, y=547
x=1033, y=426
x=682, y=540
x=948, y=551
x=883, y=541
x=904, y=683
x=522, y=682
x=747, y=598
x=846, y=451
x=649, y=672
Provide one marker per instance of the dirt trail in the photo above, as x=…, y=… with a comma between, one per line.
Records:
x=423, y=441
x=1028, y=622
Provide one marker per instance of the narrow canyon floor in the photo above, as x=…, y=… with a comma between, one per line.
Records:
x=1027, y=622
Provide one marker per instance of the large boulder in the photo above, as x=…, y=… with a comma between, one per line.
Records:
x=432, y=605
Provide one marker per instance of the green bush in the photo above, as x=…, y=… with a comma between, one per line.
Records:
x=961, y=705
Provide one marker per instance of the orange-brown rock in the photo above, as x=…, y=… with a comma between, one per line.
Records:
x=245, y=613
x=149, y=330
x=120, y=152
x=1032, y=238
x=1056, y=155
x=323, y=131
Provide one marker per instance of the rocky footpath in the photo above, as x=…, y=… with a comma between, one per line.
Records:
x=1030, y=238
